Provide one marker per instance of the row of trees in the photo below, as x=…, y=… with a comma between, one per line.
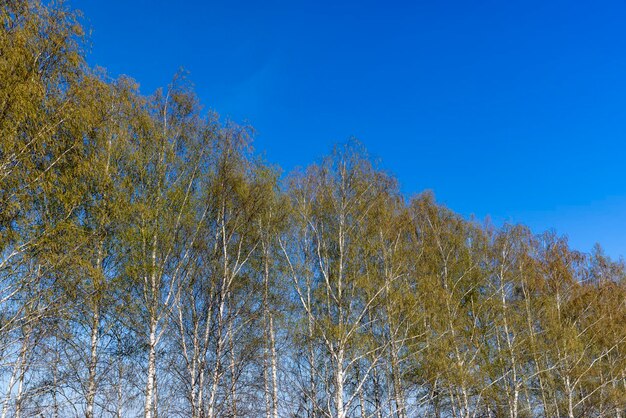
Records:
x=152, y=265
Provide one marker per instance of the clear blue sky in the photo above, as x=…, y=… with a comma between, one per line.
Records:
x=514, y=109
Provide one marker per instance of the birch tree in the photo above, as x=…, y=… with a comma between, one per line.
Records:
x=335, y=208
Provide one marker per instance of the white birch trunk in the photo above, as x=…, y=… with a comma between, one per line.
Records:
x=151, y=382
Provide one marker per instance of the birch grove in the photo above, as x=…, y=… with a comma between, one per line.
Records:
x=153, y=264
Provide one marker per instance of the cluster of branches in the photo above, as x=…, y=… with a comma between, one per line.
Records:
x=151, y=265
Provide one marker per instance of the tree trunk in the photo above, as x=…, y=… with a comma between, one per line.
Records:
x=274, y=368
x=93, y=363
x=151, y=383
x=339, y=378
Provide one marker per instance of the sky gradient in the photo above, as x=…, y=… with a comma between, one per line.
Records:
x=510, y=109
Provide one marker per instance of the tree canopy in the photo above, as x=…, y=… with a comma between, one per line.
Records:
x=152, y=264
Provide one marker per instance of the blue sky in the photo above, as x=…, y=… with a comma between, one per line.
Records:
x=510, y=109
